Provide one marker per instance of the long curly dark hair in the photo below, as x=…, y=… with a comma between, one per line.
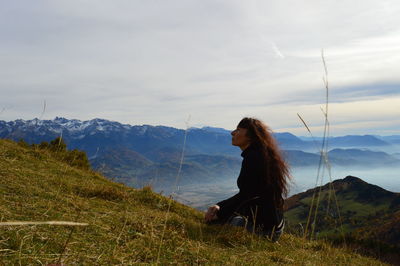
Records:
x=277, y=170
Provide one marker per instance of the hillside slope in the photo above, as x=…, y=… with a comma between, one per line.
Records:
x=366, y=211
x=125, y=226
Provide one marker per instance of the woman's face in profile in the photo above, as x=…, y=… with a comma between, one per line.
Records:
x=239, y=137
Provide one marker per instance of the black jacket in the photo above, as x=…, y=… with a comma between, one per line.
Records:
x=255, y=199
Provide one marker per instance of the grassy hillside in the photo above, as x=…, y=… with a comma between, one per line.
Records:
x=369, y=214
x=125, y=225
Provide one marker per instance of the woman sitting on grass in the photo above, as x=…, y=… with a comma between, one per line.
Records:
x=262, y=182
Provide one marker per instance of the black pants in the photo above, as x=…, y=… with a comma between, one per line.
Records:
x=273, y=234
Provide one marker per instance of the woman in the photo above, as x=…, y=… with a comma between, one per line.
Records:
x=262, y=182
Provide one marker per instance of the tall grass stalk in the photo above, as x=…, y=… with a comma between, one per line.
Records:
x=44, y=110
x=68, y=238
x=121, y=232
x=323, y=162
x=174, y=189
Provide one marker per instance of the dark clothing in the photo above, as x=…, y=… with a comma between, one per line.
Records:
x=255, y=200
x=273, y=234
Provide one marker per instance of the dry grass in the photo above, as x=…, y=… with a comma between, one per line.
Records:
x=125, y=225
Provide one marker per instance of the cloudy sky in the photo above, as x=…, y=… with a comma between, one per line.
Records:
x=159, y=62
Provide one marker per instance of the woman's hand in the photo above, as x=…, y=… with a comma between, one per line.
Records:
x=211, y=213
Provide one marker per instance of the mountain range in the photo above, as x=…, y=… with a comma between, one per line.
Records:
x=146, y=137
x=140, y=155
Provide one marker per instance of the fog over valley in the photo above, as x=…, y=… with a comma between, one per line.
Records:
x=304, y=178
x=151, y=155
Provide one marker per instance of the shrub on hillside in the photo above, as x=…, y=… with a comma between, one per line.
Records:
x=77, y=158
x=58, y=149
x=58, y=145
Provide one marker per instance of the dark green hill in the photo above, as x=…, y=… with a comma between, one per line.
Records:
x=125, y=226
x=366, y=211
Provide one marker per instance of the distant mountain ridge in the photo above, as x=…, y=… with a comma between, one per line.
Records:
x=356, y=141
x=73, y=130
x=88, y=135
x=138, y=154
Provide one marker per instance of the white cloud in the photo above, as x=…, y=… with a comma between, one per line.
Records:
x=156, y=62
x=277, y=51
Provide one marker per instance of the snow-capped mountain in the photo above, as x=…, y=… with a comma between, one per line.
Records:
x=138, y=153
x=158, y=143
x=97, y=135
x=61, y=125
x=144, y=151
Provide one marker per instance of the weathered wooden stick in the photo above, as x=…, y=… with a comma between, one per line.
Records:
x=40, y=223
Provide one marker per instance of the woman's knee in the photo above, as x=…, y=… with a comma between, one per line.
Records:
x=237, y=221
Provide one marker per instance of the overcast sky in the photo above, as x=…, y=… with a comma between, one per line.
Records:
x=159, y=62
